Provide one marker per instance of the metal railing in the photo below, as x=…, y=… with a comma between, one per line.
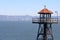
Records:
x=48, y=20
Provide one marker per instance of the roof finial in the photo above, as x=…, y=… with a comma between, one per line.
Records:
x=44, y=6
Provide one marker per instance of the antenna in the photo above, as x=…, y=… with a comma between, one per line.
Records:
x=57, y=14
x=44, y=6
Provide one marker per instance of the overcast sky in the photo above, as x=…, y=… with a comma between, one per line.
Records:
x=27, y=7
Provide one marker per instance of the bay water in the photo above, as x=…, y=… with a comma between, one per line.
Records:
x=25, y=30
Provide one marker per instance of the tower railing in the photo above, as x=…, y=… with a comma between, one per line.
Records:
x=44, y=20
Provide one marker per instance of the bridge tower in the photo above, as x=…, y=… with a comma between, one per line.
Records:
x=45, y=22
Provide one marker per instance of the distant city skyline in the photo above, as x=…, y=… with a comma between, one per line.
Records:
x=27, y=7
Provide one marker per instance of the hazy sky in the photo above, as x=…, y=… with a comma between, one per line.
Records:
x=27, y=7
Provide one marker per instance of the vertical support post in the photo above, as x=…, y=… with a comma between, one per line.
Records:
x=38, y=31
x=39, y=27
x=45, y=32
x=51, y=31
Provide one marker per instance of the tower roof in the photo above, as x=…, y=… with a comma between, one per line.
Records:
x=45, y=11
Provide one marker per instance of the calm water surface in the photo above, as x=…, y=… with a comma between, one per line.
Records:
x=13, y=30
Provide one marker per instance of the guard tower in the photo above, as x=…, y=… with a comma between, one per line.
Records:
x=45, y=22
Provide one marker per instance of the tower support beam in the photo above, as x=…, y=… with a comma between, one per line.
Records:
x=45, y=32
